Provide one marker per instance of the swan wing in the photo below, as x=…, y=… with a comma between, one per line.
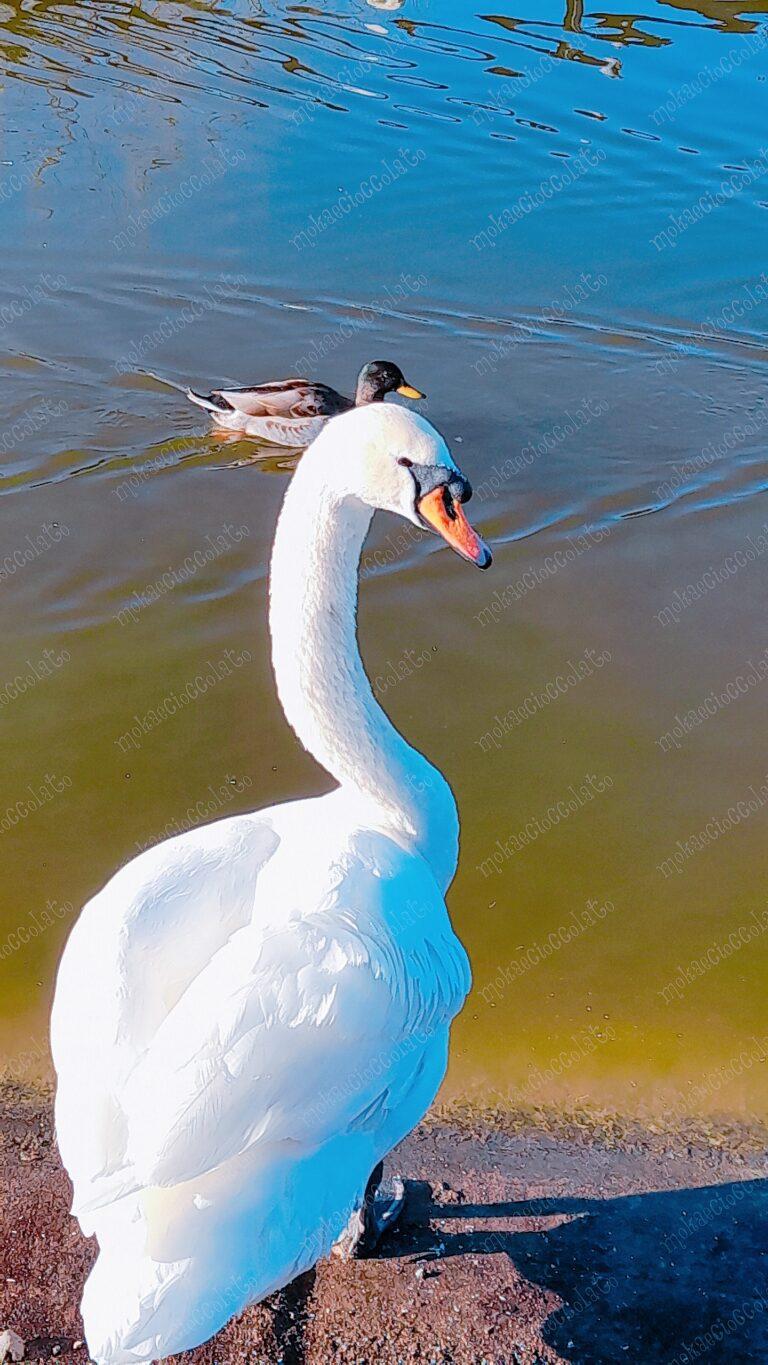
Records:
x=133, y=953
x=299, y=1032
x=300, y=1026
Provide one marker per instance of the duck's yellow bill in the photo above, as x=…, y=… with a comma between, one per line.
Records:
x=408, y=391
x=439, y=510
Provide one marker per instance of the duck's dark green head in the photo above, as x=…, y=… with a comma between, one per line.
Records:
x=380, y=377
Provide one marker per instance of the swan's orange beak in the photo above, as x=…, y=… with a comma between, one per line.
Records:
x=446, y=516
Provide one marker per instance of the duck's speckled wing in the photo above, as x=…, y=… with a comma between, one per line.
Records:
x=286, y=398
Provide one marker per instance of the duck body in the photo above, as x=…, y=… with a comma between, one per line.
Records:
x=249, y=1016
x=288, y=412
x=293, y=412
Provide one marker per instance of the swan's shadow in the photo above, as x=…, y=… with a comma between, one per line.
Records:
x=653, y=1279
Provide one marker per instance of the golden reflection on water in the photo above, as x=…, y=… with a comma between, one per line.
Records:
x=618, y=951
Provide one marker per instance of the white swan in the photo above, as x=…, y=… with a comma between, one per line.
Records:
x=250, y=1016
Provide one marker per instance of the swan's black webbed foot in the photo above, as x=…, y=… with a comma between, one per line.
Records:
x=369, y=1223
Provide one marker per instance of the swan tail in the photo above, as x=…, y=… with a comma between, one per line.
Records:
x=124, y=1289
x=160, y=1286
x=177, y=1262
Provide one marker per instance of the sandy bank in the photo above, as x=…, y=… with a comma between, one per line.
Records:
x=576, y=1241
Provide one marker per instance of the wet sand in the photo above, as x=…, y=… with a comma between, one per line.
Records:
x=522, y=1243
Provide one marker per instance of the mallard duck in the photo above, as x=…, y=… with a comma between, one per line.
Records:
x=292, y=412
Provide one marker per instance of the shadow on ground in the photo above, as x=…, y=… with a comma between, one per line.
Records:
x=671, y=1277
x=514, y=1249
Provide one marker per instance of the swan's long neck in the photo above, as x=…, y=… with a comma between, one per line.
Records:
x=321, y=681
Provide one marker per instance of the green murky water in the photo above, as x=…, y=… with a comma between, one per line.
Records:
x=556, y=223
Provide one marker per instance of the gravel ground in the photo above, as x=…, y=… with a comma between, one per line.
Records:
x=519, y=1245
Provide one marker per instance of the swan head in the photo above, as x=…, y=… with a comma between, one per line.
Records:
x=393, y=460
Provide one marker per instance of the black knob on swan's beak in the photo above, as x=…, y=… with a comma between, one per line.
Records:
x=460, y=488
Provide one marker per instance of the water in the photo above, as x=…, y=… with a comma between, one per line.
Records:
x=555, y=222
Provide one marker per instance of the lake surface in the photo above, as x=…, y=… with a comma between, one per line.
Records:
x=556, y=223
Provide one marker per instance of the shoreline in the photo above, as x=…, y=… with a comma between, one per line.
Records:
x=643, y=1129
x=527, y=1239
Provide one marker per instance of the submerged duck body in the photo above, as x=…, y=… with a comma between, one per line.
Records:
x=293, y=412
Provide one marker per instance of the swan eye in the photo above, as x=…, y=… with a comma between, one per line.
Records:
x=405, y=462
